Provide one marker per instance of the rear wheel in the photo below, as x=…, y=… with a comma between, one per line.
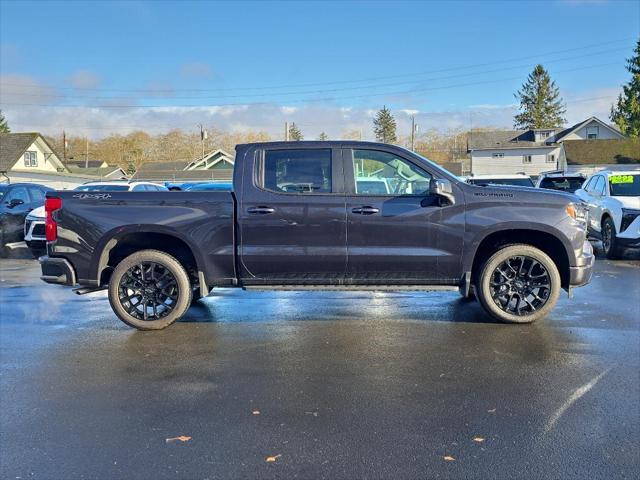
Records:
x=609, y=239
x=149, y=290
x=518, y=284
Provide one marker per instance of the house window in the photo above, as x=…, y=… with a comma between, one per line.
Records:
x=30, y=159
x=498, y=155
x=551, y=158
x=526, y=158
x=592, y=132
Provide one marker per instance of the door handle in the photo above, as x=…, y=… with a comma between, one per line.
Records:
x=260, y=210
x=365, y=210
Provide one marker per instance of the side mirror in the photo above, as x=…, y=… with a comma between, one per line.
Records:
x=442, y=187
x=15, y=202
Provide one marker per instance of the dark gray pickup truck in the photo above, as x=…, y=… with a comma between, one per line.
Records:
x=320, y=215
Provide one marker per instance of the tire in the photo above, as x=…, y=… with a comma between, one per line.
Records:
x=162, y=283
x=610, y=240
x=38, y=252
x=529, y=295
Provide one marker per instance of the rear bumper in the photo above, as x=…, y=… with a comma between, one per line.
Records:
x=581, y=274
x=57, y=270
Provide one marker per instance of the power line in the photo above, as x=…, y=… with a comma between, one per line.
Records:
x=336, y=82
x=311, y=92
x=308, y=100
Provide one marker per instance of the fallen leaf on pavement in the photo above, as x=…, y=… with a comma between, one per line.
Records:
x=272, y=459
x=256, y=412
x=478, y=439
x=448, y=458
x=493, y=410
x=181, y=438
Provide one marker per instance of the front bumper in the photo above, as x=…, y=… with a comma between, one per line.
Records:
x=583, y=271
x=57, y=270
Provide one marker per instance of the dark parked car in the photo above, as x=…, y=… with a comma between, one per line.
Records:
x=564, y=182
x=16, y=201
x=297, y=219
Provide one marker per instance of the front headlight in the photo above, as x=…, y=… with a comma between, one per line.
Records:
x=579, y=212
x=628, y=216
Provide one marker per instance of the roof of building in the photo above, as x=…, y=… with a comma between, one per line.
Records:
x=602, y=152
x=97, y=172
x=83, y=163
x=13, y=146
x=504, y=139
x=564, y=132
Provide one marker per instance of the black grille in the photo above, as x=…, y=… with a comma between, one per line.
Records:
x=38, y=230
x=27, y=224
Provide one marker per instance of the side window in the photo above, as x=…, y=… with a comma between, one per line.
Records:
x=37, y=195
x=18, y=193
x=383, y=173
x=587, y=185
x=599, y=186
x=297, y=171
x=139, y=188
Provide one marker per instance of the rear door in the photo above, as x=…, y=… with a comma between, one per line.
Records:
x=291, y=217
x=399, y=233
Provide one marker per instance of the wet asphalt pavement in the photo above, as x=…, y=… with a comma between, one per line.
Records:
x=331, y=385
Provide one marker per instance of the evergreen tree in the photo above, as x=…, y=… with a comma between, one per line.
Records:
x=323, y=136
x=295, y=135
x=540, y=102
x=4, y=126
x=626, y=112
x=384, y=126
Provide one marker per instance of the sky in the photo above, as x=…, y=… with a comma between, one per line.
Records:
x=97, y=68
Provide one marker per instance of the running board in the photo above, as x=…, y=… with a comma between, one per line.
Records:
x=85, y=290
x=352, y=288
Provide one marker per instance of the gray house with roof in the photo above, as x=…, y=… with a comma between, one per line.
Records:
x=216, y=166
x=531, y=151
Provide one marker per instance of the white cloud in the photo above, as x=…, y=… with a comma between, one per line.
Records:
x=288, y=110
x=408, y=111
x=84, y=79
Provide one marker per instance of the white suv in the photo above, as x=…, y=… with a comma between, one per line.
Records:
x=614, y=209
x=34, y=235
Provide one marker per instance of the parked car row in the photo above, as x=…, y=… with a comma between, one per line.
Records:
x=22, y=215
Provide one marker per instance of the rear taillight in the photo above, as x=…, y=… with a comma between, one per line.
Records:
x=50, y=226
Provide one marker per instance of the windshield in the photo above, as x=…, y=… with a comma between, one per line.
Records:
x=103, y=188
x=564, y=184
x=517, y=182
x=624, y=185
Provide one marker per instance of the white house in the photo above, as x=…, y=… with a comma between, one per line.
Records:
x=530, y=151
x=28, y=152
x=28, y=157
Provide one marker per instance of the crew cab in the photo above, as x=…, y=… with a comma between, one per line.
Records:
x=613, y=199
x=300, y=217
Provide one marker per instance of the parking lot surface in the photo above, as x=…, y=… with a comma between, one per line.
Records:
x=320, y=385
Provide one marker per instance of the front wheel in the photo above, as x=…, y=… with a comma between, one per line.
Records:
x=610, y=240
x=149, y=290
x=518, y=284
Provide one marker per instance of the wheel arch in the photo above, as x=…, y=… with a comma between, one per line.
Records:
x=548, y=242
x=121, y=242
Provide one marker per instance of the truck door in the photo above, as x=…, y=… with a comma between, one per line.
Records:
x=291, y=217
x=397, y=232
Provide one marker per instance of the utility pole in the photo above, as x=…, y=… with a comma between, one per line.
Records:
x=413, y=132
x=286, y=131
x=64, y=147
x=203, y=137
x=86, y=153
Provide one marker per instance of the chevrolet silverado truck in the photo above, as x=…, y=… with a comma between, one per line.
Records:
x=304, y=215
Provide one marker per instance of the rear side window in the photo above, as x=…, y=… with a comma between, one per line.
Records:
x=298, y=171
x=37, y=195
